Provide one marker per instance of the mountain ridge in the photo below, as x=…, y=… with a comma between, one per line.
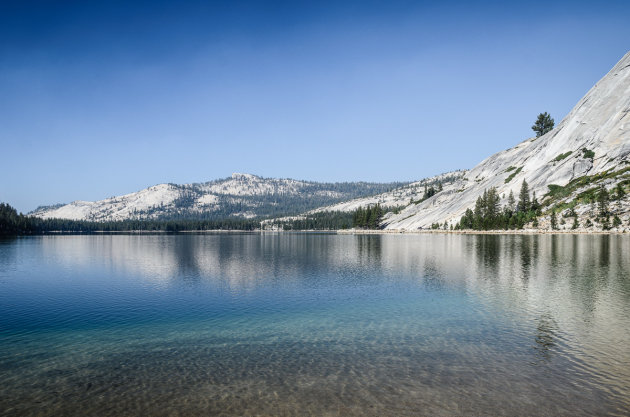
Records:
x=589, y=148
x=240, y=195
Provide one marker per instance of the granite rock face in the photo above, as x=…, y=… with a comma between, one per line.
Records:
x=592, y=139
x=241, y=195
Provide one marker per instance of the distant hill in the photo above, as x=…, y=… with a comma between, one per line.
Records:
x=394, y=199
x=241, y=195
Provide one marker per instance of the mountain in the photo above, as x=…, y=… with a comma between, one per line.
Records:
x=241, y=195
x=589, y=148
x=566, y=169
x=394, y=199
x=401, y=196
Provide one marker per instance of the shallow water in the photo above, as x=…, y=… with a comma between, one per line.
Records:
x=315, y=324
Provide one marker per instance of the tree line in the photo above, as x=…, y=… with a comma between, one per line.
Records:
x=327, y=220
x=489, y=215
x=368, y=218
x=14, y=223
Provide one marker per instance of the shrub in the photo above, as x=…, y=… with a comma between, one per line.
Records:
x=562, y=156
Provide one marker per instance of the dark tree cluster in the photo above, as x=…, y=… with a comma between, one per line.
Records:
x=489, y=215
x=603, y=211
x=14, y=223
x=329, y=220
x=367, y=218
x=429, y=191
x=544, y=123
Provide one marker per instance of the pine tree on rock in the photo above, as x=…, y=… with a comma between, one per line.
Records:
x=544, y=123
x=620, y=191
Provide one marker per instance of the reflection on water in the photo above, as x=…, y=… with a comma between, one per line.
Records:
x=301, y=324
x=545, y=339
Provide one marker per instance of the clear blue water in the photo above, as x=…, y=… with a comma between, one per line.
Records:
x=315, y=324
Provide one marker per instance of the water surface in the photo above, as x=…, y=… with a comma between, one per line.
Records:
x=315, y=324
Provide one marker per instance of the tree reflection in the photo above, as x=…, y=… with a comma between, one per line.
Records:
x=545, y=339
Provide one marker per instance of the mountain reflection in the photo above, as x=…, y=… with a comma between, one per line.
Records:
x=571, y=274
x=561, y=296
x=582, y=263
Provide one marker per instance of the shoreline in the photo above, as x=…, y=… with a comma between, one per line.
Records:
x=483, y=232
x=338, y=232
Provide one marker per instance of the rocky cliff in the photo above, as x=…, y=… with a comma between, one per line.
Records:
x=588, y=148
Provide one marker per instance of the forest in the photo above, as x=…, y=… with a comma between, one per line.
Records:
x=14, y=223
x=489, y=215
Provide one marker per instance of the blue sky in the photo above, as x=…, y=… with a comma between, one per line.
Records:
x=103, y=99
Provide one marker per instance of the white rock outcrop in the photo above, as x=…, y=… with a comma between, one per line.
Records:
x=599, y=123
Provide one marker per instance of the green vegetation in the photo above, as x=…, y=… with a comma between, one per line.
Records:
x=576, y=223
x=588, y=154
x=488, y=214
x=544, y=123
x=620, y=191
x=367, y=218
x=558, y=192
x=586, y=197
x=12, y=223
x=271, y=205
x=512, y=175
x=396, y=209
x=554, y=220
x=605, y=223
x=510, y=168
x=562, y=156
x=327, y=220
x=597, y=194
x=602, y=201
x=435, y=186
x=430, y=191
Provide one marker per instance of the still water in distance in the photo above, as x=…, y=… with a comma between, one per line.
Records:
x=315, y=324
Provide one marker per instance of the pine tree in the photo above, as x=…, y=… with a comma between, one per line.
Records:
x=535, y=207
x=524, y=204
x=554, y=222
x=602, y=201
x=544, y=123
x=511, y=202
x=620, y=191
x=493, y=208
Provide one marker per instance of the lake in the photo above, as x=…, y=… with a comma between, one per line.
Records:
x=315, y=324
